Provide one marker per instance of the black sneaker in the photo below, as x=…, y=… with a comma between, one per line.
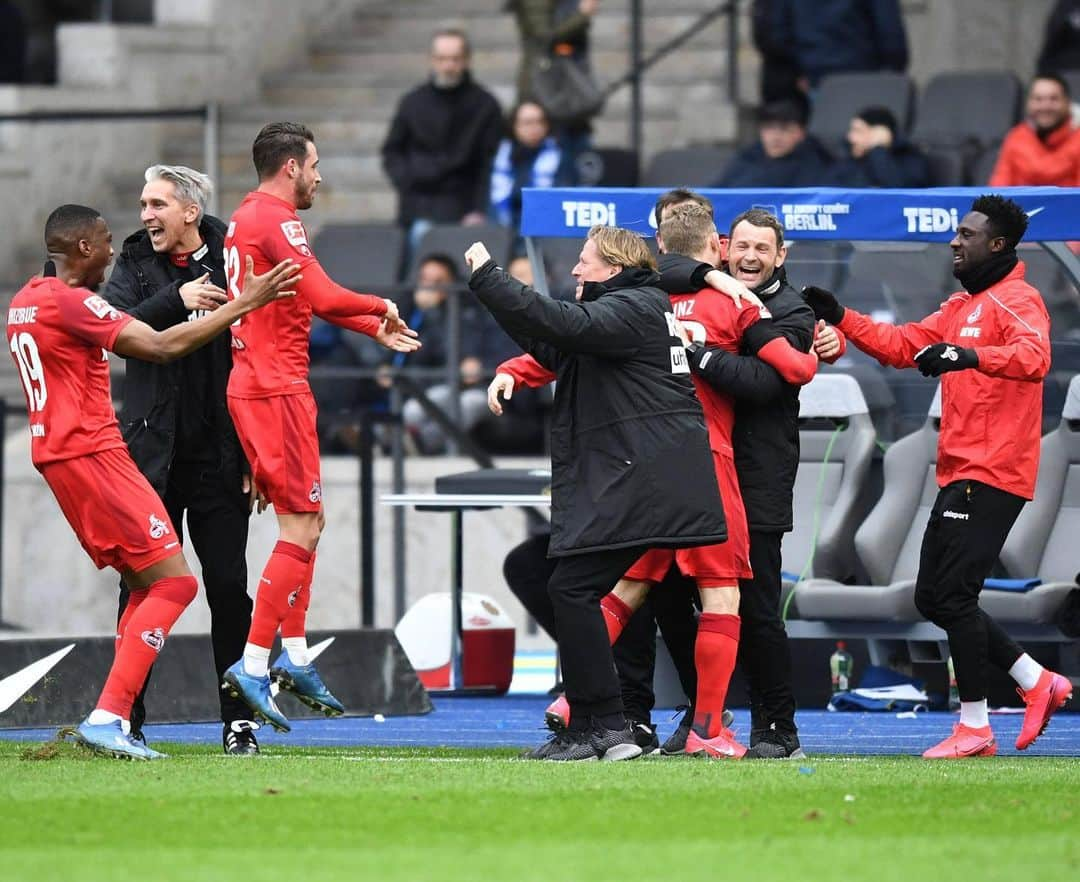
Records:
x=676, y=742
x=772, y=744
x=238, y=738
x=645, y=737
x=586, y=745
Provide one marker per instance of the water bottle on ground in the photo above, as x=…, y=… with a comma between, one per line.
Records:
x=840, y=667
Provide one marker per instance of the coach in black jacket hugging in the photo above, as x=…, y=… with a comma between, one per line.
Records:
x=174, y=417
x=630, y=462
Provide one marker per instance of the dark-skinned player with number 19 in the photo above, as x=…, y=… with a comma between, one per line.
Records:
x=274, y=411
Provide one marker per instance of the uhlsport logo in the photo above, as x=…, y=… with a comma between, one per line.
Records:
x=154, y=638
x=158, y=527
x=316, y=492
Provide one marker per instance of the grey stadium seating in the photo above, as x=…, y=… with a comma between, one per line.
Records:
x=453, y=240
x=361, y=256
x=1043, y=542
x=970, y=109
x=687, y=167
x=836, y=439
x=889, y=540
x=841, y=96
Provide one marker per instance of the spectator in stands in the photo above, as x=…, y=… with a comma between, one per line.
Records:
x=437, y=279
x=530, y=157
x=1044, y=149
x=880, y=156
x=784, y=154
x=12, y=43
x=836, y=36
x=441, y=142
x=1061, y=46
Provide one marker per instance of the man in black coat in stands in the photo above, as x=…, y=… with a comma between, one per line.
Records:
x=631, y=464
x=174, y=416
x=880, y=155
x=441, y=143
x=784, y=154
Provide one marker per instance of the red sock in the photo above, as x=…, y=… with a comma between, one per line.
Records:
x=284, y=576
x=135, y=597
x=616, y=615
x=715, y=649
x=144, y=635
x=295, y=622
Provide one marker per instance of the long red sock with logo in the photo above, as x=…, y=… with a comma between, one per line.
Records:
x=135, y=597
x=715, y=649
x=294, y=625
x=616, y=615
x=284, y=575
x=143, y=637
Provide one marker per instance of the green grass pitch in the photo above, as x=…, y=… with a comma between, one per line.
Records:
x=394, y=814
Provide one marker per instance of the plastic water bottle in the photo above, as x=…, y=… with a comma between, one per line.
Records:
x=954, y=693
x=840, y=665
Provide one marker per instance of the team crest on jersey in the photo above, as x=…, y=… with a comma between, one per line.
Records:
x=155, y=638
x=101, y=307
x=316, y=492
x=975, y=316
x=158, y=527
x=297, y=236
x=292, y=597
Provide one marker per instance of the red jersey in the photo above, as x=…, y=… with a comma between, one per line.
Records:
x=991, y=416
x=57, y=336
x=270, y=345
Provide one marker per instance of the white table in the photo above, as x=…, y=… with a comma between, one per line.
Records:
x=456, y=504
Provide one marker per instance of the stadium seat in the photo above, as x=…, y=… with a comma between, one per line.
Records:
x=361, y=256
x=970, y=110
x=841, y=96
x=889, y=540
x=1042, y=542
x=608, y=167
x=687, y=167
x=836, y=441
x=946, y=168
x=984, y=163
x=453, y=240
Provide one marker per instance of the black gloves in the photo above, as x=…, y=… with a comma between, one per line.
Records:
x=824, y=304
x=940, y=358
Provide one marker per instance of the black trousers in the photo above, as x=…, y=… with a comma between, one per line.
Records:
x=967, y=527
x=576, y=586
x=218, y=527
x=764, y=653
x=528, y=570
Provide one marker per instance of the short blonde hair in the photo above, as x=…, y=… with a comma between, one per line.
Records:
x=686, y=228
x=622, y=248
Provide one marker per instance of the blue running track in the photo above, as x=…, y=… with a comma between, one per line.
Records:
x=517, y=721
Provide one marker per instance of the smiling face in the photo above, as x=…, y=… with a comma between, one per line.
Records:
x=168, y=220
x=974, y=243
x=752, y=253
x=591, y=267
x=97, y=252
x=1047, y=105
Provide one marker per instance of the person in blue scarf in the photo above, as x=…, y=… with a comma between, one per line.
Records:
x=530, y=157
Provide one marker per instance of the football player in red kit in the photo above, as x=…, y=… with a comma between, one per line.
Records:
x=703, y=318
x=274, y=411
x=57, y=330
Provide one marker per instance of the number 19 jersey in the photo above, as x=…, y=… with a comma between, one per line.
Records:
x=57, y=336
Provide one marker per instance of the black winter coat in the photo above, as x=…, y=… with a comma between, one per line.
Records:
x=766, y=435
x=900, y=166
x=805, y=166
x=439, y=150
x=630, y=461
x=146, y=285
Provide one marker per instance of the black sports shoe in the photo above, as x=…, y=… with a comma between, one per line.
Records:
x=238, y=738
x=645, y=737
x=772, y=744
x=584, y=745
x=676, y=742
x=137, y=735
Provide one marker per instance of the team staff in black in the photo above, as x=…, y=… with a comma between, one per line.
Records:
x=174, y=418
x=766, y=443
x=631, y=465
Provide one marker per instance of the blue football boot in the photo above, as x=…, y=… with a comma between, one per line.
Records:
x=304, y=682
x=109, y=739
x=255, y=693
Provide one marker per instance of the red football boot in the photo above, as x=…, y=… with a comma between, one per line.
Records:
x=557, y=716
x=722, y=746
x=965, y=741
x=1049, y=694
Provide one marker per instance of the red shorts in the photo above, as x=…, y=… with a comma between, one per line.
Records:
x=725, y=562
x=281, y=445
x=119, y=519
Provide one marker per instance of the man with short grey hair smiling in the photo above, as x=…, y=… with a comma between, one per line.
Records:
x=174, y=417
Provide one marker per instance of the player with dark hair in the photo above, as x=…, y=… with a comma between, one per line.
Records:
x=988, y=454
x=56, y=329
x=274, y=411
